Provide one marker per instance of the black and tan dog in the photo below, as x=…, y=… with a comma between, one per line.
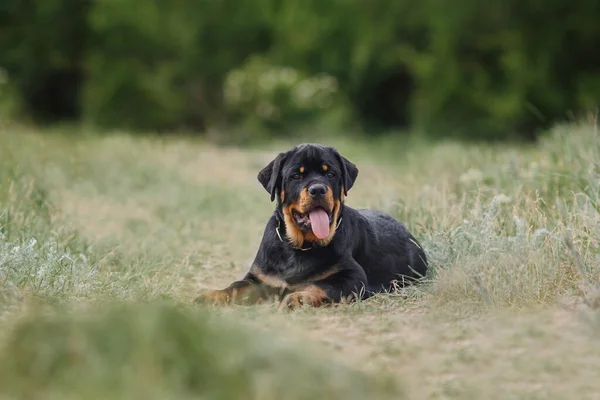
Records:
x=316, y=250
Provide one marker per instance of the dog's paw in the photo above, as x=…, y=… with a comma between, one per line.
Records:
x=214, y=297
x=311, y=296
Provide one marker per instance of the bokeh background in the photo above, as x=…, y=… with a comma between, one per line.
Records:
x=249, y=69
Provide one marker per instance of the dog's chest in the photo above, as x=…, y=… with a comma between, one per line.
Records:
x=296, y=270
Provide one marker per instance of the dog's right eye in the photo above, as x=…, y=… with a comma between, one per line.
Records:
x=296, y=177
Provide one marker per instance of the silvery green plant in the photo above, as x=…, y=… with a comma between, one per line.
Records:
x=43, y=268
x=501, y=266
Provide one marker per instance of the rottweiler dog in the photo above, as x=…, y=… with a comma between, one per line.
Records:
x=317, y=250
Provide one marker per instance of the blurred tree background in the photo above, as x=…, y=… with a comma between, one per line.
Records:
x=460, y=68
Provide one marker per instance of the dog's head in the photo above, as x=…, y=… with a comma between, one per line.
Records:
x=310, y=182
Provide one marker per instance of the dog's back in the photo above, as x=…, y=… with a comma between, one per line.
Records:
x=388, y=251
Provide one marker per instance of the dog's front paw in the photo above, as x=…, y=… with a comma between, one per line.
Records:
x=310, y=296
x=214, y=297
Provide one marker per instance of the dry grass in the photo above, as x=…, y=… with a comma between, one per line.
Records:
x=502, y=316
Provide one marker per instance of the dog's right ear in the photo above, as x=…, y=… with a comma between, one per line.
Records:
x=270, y=176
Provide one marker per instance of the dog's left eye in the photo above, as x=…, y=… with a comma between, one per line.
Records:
x=296, y=177
x=331, y=175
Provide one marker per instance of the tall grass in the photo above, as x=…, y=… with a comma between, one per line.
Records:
x=495, y=233
x=104, y=241
x=489, y=218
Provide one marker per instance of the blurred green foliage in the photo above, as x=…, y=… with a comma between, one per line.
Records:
x=451, y=68
x=264, y=98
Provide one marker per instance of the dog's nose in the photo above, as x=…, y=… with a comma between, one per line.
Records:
x=317, y=190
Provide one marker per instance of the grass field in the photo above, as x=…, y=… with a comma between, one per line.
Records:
x=106, y=240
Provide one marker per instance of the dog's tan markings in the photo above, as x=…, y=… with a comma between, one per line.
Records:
x=325, y=274
x=325, y=167
x=302, y=169
x=282, y=195
x=246, y=292
x=214, y=297
x=329, y=199
x=241, y=292
x=304, y=201
x=294, y=235
x=310, y=295
x=268, y=280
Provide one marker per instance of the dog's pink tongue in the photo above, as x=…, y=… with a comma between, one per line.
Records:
x=319, y=221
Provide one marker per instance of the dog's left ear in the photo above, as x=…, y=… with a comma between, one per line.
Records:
x=270, y=176
x=349, y=170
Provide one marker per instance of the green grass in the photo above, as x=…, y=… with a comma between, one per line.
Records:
x=158, y=352
x=106, y=240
